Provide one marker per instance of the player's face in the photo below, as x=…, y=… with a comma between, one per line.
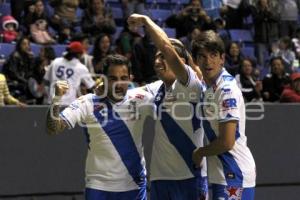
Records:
x=162, y=69
x=211, y=64
x=118, y=80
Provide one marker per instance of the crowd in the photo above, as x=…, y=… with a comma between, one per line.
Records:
x=262, y=76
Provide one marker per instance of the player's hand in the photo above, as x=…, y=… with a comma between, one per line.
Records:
x=197, y=159
x=136, y=20
x=61, y=88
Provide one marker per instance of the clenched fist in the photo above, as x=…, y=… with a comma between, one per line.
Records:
x=61, y=88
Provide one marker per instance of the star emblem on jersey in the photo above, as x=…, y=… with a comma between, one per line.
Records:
x=234, y=193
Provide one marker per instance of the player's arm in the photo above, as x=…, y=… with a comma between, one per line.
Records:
x=55, y=124
x=162, y=43
x=223, y=143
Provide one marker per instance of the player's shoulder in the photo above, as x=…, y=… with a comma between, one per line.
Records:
x=153, y=87
x=2, y=77
x=139, y=94
x=227, y=84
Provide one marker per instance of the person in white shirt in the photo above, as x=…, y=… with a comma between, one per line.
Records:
x=115, y=165
x=70, y=69
x=231, y=167
x=177, y=129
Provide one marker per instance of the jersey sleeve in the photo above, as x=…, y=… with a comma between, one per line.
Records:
x=193, y=87
x=229, y=103
x=76, y=112
x=87, y=78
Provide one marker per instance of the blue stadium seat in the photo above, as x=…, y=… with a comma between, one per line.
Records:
x=213, y=13
x=248, y=52
x=171, y=32
x=116, y=35
x=157, y=1
x=5, y=9
x=159, y=15
x=35, y=48
x=240, y=35
x=6, y=49
x=117, y=13
x=180, y=1
x=59, y=49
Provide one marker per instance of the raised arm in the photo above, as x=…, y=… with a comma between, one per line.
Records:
x=162, y=43
x=55, y=124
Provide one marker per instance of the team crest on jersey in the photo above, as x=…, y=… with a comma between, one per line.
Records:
x=234, y=193
x=74, y=106
x=229, y=103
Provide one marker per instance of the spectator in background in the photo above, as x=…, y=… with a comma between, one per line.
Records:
x=190, y=17
x=85, y=59
x=289, y=10
x=36, y=84
x=266, y=22
x=35, y=12
x=128, y=37
x=102, y=48
x=5, y=97
x=233, y=12
x=18, y=68
x=247, y=82
x=10, y=29
x=143, y=56
x=284, y=50
x=292, y=94
x=233, y=58
x=17, y=8
x=39, y=32
x=64, y=13
x=65, y=34
x=133, y=6
x=70, y=69
x=187, y=40
x=274, y=83
x=97, y=19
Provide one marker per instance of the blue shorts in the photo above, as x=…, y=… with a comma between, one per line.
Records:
x=93, y=194
x=232, y=193
x=191, y=189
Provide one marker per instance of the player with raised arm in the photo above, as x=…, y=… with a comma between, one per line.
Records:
x=231, y=167
x=177, y=129
x=115, y=165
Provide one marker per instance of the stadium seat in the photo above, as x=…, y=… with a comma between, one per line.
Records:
x=6, y=49
x=159, y=15
x=35, y=48
x=117, y=13
x=116, y=35
x=171, y=32
x=213, y=13
x=59, y=49
x=5, y=9
x=248, y=52
x=240, y=35
x=180, y=1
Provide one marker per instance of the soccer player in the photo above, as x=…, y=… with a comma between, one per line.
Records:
x=177, y=130
x=231, y=167
x=70, y=69
x=115, y=165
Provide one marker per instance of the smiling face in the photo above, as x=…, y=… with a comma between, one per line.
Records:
x=211, y=64
x=162, y=69
x=118, y=80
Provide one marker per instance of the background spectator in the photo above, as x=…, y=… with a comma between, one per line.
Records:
x=132, y=6
x=102, y=48
x=10, y=29
x=274, y=83
x=266, y=23
x=233, y=58
x=247, y=81
x=292, y=94
x=18, y=68
x=97, y=19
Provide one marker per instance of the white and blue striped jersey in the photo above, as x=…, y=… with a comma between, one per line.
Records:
x=115, y=160
x=177, y=129
x=223, y=101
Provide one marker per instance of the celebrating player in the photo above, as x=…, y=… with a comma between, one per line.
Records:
x=231, y=167
x=115, y=166
x=177, y=130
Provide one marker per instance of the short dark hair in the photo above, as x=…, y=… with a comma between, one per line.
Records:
x=115, y=59
x=208, y=40
x=180, y=49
